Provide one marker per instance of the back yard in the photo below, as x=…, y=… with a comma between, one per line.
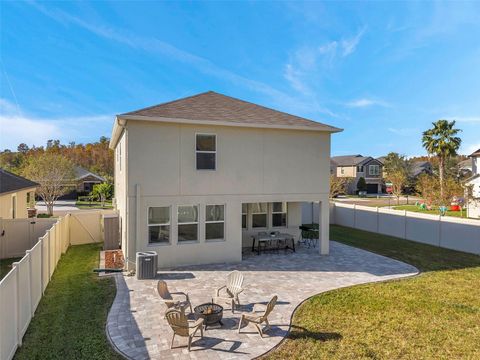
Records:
x=435, y=315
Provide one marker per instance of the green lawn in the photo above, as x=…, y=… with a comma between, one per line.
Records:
x=70, y=320
x=431, y=212
x=93, y=205
x=6, y=266
x=432, y=316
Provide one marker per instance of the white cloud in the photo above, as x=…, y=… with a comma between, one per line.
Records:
x=16, y=128
x=365, y=102
x=309, y=62
x=350, y=45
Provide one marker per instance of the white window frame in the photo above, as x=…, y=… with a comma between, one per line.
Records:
x=260, y=213
x=160, y=224
x=205, y=152
x=189, y=223
x=215, y=222
x=373, y=167
x=246, y=217
x=279, y=212
x=342, y=170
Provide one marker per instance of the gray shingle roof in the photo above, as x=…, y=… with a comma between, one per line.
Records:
x=10, y=182
x=215, y=107
x=80, y=173
x=350, y=160
x=475, y=153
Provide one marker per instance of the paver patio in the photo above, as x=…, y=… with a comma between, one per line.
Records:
x=136, y=324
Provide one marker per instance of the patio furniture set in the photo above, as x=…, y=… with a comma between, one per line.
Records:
x=210, y=313
x=275, y=240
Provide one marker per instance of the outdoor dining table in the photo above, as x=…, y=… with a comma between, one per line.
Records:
x=282, y=236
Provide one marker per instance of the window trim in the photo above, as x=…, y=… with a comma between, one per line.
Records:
x=372, y=167
x=215, y=222
x=246, y=217
x=160, y=224
x=279, y=212
x=205, y=151
x=189, y=223
x=360, y=168
x=260, y=213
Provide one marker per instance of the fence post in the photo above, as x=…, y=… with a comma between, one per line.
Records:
x=440, y=230
x=40, y=240
x=49, y=254
x=30, y=276
x=354, y=215
x=17, y=307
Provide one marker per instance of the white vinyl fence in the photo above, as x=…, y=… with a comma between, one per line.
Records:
x=22, y=288
x=444, y=231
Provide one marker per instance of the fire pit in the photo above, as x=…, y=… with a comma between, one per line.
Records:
x=210, y=312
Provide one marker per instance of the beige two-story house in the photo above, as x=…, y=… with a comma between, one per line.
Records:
x=357, y=166
x=195, y=178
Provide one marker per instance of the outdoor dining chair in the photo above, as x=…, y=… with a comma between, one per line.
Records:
x=232, y=289
x=181, y=326
x=170, y=301
x=258, y=320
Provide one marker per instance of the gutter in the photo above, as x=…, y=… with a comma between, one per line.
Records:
x=118, y=127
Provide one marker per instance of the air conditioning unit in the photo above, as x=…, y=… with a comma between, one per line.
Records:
x=146, y=267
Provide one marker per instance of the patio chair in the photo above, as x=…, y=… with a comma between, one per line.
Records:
x=169, y=300
x=181, y=326
x=265, y=242
x=232, y=289
x=258, y=320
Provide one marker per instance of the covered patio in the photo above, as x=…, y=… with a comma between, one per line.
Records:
x=137, y=329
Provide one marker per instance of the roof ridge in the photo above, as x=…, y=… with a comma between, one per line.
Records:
x=271, y=109
x=168, y=102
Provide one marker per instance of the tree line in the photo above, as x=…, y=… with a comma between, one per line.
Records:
x=96, y=157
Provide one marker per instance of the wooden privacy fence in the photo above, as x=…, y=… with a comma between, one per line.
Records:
x=442, y=231
x=22, y=288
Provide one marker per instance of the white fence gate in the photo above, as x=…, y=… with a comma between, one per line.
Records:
x=22, y=288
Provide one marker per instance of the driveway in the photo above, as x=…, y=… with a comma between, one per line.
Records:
x=60, y=208
x=137, y=328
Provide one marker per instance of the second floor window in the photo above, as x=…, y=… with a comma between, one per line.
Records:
x=206, y=151
x=374, y=170
x=360, y=168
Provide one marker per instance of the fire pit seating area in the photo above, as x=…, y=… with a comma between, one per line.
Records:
x=209, y=314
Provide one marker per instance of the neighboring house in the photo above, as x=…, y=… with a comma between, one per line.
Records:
x=85, y=180
x=357, y=166
x=17, y=195
x=420, y=167
x=473, y=201
x=465, y=168
x=195, y=178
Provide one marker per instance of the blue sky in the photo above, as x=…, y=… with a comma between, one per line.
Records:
x=382, y=71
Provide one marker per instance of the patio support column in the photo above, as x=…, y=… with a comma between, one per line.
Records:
x=324, y=230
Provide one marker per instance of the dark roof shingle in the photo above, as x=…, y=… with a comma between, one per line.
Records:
x=215, y=107
x=10, y=182
x=350, y=160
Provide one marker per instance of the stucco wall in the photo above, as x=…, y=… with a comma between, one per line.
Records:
x=21, y=201
x=253, y=165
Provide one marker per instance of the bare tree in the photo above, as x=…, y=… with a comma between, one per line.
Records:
x=54, y=173
x=398, y=178
x=339, y=185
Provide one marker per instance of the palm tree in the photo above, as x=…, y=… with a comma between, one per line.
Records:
x=442, y=142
